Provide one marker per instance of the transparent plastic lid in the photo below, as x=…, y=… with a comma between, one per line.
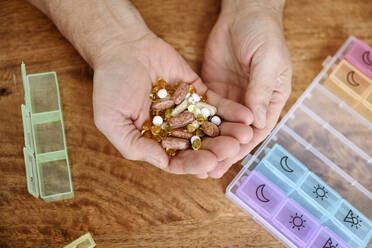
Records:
x=319, y=159
x=45, y=142
x=85, y=241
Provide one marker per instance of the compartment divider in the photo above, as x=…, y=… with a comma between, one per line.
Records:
x=336, y=133
x=344, y=106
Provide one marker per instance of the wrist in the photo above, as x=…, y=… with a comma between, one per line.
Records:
x=274, y=6
x=95, y=27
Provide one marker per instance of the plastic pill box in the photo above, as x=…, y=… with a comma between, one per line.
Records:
x=309, y=184
x=45, y=152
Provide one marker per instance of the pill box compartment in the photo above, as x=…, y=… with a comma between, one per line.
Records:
x=320, y=156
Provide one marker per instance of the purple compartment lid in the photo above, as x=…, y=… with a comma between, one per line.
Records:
x=325, y=238
x=261, y=194
x=296, y=223
x=360, y=55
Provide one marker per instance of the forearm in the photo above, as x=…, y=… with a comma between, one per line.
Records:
x=94, y=26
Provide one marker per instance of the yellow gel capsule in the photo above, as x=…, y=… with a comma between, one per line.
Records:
x=161, y=83
x=190, y=128
x=155, y=130
x=170, y=152
x=163, y=134
x=196, y=144
x=147, y=134
x=200, y=119
x=146, y=125
x=155, y=89
x=168, y=114
x=199, y=132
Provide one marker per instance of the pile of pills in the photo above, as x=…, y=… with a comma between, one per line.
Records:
x=179, y=117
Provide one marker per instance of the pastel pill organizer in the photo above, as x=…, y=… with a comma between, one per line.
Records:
x=309, y=184
x=45, y=152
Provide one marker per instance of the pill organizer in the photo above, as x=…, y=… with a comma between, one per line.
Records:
x=45, y=152
x=85, y=241
x=309, y=184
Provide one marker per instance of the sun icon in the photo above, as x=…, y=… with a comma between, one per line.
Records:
x=353, y=219
x=297, y=221
x=320, y=192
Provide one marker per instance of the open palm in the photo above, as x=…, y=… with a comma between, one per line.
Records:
x=247, y=61
x=122, y=82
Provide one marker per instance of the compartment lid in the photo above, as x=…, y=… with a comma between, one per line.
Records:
x=31, y=173
x=41, y=91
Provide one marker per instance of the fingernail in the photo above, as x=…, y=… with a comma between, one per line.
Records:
x=260, y=116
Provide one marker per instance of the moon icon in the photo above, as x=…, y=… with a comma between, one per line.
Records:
x=366, y=58
x=284, y=164
x=350, y=79
x=260, y=195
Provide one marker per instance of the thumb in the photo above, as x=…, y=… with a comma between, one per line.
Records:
x=265, y=71
x=124, y=135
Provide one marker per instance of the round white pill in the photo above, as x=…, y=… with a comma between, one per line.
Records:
x=157, y=121
x=187, y=95
x=216, y=120
x=162, y=93
x=193, y=138
x=196, y=97
x=205, y=112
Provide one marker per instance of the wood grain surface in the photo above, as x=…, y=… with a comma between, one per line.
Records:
x=124, y=203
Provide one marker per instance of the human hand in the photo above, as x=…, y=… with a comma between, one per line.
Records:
x=247, y=61
x=123, y=77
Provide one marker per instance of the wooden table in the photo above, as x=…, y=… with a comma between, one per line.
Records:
x=124, y=203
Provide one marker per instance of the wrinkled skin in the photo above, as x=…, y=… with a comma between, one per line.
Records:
x=247, y=61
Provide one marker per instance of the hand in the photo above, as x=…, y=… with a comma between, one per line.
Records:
x=247, y=61
x=123, y=77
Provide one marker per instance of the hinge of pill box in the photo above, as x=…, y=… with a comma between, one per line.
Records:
x=246, y=160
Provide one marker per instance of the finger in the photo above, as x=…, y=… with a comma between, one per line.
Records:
x=222, y=147
x=270, y=70
x=241, y=132
x=123, y=134
x=192, y=162
x=230, y=110
x=259, y=134
x=202, y=176
x=220, y=170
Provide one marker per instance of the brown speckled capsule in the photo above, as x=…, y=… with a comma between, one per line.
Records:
x=210, y=129
x=180, y=93
x=175, y=143
x=182, y=134
x=162, y=104
x=181, y=120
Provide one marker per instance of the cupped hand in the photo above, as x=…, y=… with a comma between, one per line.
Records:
x=123, y=78
x=247, y=61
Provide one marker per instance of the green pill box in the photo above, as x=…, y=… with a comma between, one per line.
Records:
x=45, y=152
